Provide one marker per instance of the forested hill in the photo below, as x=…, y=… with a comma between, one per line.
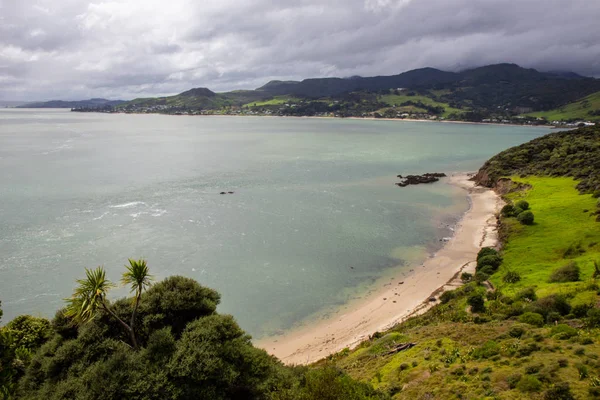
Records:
x=574, y=153
x=496, y=93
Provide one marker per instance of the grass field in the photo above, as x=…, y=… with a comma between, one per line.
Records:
x=574, y=111
x=392, y=99
x=275, y=101
x=562, y=233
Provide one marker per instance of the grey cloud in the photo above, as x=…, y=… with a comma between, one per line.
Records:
x=131, y=48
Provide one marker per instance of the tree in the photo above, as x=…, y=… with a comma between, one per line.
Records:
x=90, y=296
x=138, y=278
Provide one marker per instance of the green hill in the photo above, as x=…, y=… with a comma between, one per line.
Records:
x=585, y=109
x=528, y=329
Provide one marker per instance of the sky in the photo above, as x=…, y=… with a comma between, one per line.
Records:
x=123, y=49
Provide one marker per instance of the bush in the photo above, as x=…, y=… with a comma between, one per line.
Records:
x=492, y=260
x=526, y=217
x=516, y=331
x=466, y=277
x=447, y=296
x=593, y=318
x=522, y=204
x=508, y=211
x=481, y=277
x=511, y=277
x=487, y=350
x=568, y=273
x=526, y=294
x=488, y=270
x=529, y=384
x=553, y=303
x=532, y=318
x=563, y=331
x=560, y=391
x=477, y=302
x=486, y=251
x=518, y=211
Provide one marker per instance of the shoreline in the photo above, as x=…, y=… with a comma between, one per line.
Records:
x=340, y=118
x=406, y=296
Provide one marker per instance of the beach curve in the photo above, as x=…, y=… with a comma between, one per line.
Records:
x=407, y=296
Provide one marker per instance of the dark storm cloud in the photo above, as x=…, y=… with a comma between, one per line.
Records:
x=130, y=48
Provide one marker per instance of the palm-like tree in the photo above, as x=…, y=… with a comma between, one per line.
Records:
x=90, y=295
x=138, y=278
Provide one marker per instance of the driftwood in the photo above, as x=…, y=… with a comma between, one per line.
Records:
x=399, y=348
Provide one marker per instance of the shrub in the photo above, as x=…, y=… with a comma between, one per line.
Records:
x=526, y=217
x=487, y=269
x=513, y=380
x=563, y=331
x=581, y=310
x=477, y=302
x=522, y=204
x=518, y=211
x=553, y=303
x=508, y=211
x=487, y=350
x=526, y=294
x=493, y=260
x=511, y=277
x=532, y=318
x=529, y=384
x=568, y=273
x=486, y=251
x=481, y=277
x=466, y=277
x=553, y=317
x=593, y=317
x=560, y=391
x=447, y=296
x=516, y=331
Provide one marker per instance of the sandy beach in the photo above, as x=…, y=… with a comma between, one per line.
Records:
x=403, y=296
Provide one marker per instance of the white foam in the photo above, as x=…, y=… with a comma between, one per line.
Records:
x=102, y=216
x=131, y=204
x=158, y=212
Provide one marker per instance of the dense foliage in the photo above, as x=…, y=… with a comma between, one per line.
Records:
x=183, y=349
x=574, y=153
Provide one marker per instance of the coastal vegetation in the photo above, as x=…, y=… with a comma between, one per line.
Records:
x=174, y=345
x=525, y=325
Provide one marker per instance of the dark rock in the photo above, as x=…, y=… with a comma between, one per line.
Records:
x=432, y=299
x=222, y=193
x=231, y=192
x=429, y=177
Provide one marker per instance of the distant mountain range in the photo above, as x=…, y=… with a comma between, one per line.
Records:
x=493, y=91
x=91, y=103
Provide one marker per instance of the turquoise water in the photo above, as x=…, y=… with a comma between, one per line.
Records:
x=315, y=217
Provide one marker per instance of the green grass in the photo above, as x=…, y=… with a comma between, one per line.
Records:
x=460, y=355
x=392, y=99
x=574, y=111
x=275, y=101
x=560, y=224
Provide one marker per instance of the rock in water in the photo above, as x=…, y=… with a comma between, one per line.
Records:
x=429, y=177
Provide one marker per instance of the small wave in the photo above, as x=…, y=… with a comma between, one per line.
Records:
x=102, y=216
x=129, y=205
x=135, y=215
x=158, y=212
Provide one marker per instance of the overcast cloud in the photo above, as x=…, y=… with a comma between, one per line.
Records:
x=75, y=49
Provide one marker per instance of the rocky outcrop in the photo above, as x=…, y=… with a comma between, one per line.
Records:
x=429, y=177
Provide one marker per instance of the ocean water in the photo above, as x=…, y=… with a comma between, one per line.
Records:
x=315, y=217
